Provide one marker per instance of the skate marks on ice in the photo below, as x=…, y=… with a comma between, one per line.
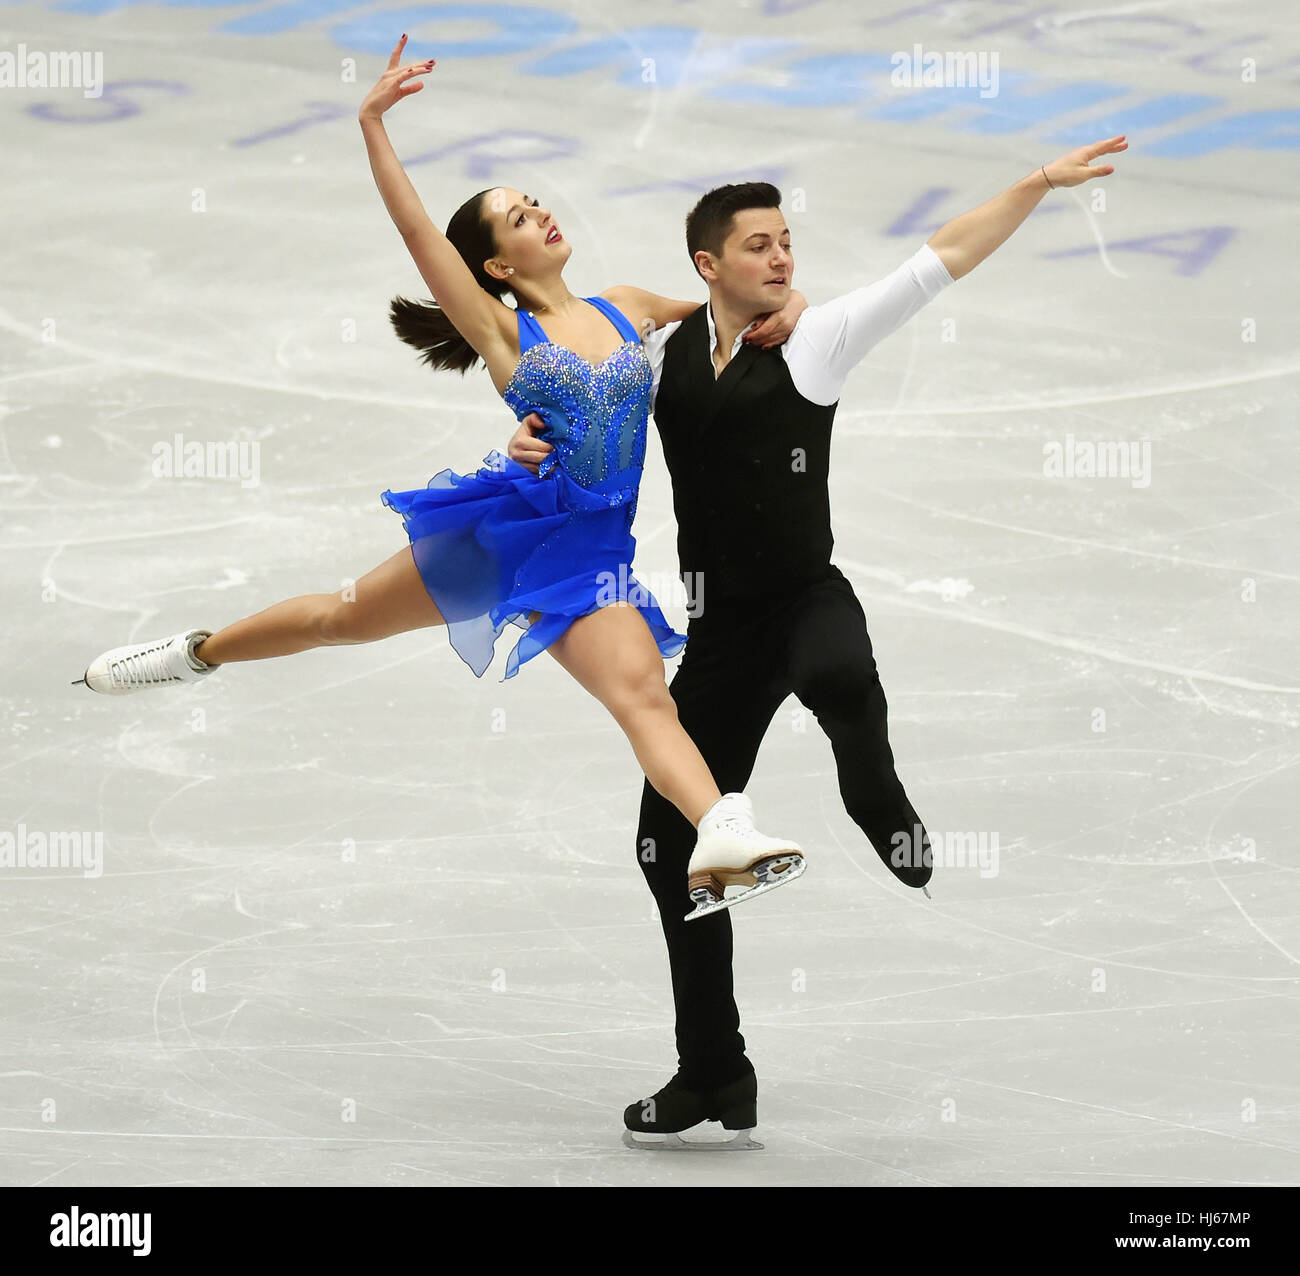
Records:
x=482, y=979
x=696, y=1140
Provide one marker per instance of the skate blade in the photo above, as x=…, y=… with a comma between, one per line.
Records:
x=742, y=1141
x=769, y=874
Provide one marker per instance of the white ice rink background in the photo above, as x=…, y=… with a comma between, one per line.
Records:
x=361, y=918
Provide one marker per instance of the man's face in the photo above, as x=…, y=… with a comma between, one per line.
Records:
x=756, y=267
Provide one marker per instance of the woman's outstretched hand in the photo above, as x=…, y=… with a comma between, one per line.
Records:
x=774, y=328
x=395, y=84
x=525, y=449
x=1074, y=169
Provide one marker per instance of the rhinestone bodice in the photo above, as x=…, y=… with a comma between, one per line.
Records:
x=595, y=414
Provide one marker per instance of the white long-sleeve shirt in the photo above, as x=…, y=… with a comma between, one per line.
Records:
x=829, y=340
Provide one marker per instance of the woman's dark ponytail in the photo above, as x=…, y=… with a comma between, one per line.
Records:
x=424, y=324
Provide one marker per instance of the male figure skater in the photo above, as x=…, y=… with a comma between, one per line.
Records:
x=746, y=437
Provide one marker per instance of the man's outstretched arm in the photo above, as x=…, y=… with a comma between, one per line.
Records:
x=966, y=240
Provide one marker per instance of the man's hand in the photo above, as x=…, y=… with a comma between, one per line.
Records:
x=1074, y=169
x=964, y=242
x=774, y=328
x=525, y=448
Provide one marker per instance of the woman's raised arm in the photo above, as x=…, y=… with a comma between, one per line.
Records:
x=472, y=309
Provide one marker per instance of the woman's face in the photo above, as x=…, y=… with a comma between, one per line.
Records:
x=526, y=234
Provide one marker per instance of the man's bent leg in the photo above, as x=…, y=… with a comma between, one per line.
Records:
x=833, y=672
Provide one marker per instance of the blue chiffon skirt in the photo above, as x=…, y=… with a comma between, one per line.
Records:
x=495, y=546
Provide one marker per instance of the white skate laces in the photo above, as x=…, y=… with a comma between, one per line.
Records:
x=164, y=662
x=730, y=851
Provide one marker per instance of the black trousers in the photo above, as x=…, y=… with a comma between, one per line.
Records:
x=742, y=660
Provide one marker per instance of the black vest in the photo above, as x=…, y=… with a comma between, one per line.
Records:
x=749, y=458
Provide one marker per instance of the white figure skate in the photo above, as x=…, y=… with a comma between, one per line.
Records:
x=164, y=662
x=729, y=851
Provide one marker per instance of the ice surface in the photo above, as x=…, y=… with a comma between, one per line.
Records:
x=365, y=919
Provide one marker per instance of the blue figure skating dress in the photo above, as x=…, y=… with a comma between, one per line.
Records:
x=495, y=546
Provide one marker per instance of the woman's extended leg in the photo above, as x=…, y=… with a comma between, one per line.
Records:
x=389, y=600
x=612, y=653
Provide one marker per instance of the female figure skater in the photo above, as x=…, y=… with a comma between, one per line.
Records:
x=549, y=552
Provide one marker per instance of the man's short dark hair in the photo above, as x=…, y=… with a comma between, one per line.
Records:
x=709, y=223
